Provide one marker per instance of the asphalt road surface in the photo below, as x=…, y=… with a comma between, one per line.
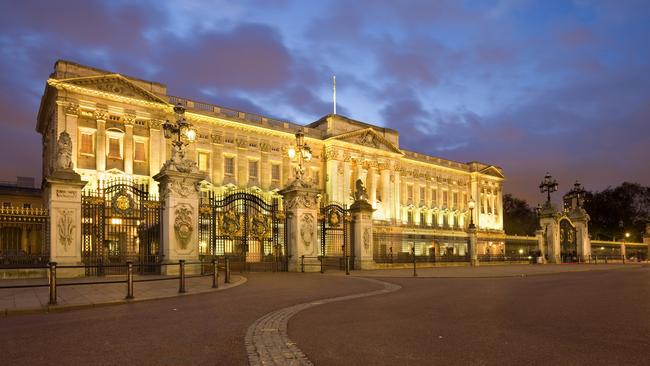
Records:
x=585, y=318
x=600, y=317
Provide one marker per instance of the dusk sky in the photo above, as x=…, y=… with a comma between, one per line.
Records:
x=530, y=86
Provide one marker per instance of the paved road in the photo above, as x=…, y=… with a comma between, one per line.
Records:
x=600, y=317
x=584, y=318
x=198, y=329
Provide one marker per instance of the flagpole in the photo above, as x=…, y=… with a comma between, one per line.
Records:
x=334, y=91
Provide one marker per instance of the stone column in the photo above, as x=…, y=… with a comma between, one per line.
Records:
x=156, y=140
x=62, y=196
x=302, y=206
x=473, y=256
x=361, y=238
x=386, y=202
x=179, y=193
x=100, y=140
x=128, y=149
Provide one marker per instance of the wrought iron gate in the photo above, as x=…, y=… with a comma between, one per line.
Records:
x=336, y=246
x=568, y=242
x=120, y=223
x=246, y=228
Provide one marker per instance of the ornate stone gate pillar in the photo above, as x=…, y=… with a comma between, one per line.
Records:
x=62, y=196
x=551, y=233
x=302, y=204
x=361, y=211
x=179, y=195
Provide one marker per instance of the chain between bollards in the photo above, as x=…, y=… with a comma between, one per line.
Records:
x=215, y=273
x=129, y=280
x=227, y=274
x=181, y=272
x=52, y=283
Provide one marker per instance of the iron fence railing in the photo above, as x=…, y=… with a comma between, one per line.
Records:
x=215, y=265
x=25, y=260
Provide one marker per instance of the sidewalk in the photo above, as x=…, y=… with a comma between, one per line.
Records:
x=35, y=299
x=489, y=271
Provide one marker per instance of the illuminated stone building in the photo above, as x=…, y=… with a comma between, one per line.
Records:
x=115, y=125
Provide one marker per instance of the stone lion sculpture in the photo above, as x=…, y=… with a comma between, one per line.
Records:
x=64, y=152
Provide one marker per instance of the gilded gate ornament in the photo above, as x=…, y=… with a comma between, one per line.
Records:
x=260, y=226
x=183, y=227
x=231, y=223
x=122, y=203
x=334, y=219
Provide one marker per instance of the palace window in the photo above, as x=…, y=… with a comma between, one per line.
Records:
x=229, y=165
x=87, y=144
x=422, y=190
x=6, y=204
x=444, y=198
x=203, y=161
x=139, y=151
x=27, y=205
x=409, y=194
x=252, y=169
x=455, y=199
x=434, y=197
x=275, y=172
x=114, y=148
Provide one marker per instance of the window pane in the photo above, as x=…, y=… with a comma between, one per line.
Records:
x=203, y=161
x=139, y=151
x=229, y=166
x=252, y=169
x=114, y=148
x=87, y=143
x=275, y=172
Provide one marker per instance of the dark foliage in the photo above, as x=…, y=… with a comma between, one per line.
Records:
x=518, y=217
x=627, y=204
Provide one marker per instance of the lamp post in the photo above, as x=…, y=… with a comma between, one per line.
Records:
x=181, y=132
x=548, y=186
x=471, y=204
x=300, y=153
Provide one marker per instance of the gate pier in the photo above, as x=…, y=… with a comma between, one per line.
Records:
x=301, y=203
x=179, y=194
x=362, y=241
x=62, y=197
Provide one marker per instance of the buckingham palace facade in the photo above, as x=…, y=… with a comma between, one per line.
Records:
x=115, y=125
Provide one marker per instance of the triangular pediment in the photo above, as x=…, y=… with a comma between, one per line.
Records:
x=114, y=84
x=369, y=138
x=493, y=171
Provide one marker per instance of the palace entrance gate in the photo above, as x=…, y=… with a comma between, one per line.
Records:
x=336, y=250
x=120, y=222
x=244, y=227
x=568, y=242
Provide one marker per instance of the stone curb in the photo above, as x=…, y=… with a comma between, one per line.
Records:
x=267, y=341
x=516, y=275
x=237, y=281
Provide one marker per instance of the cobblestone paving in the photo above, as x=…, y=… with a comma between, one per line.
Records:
x=267, y=342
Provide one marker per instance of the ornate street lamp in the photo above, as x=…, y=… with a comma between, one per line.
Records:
x=548, y=186
x=300, y=153
x=182, y=133
x=471, y=204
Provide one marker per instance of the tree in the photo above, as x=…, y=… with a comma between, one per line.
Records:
x=628, y=203
x=518, y=217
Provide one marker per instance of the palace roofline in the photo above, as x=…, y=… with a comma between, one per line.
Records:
x=65, y=69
